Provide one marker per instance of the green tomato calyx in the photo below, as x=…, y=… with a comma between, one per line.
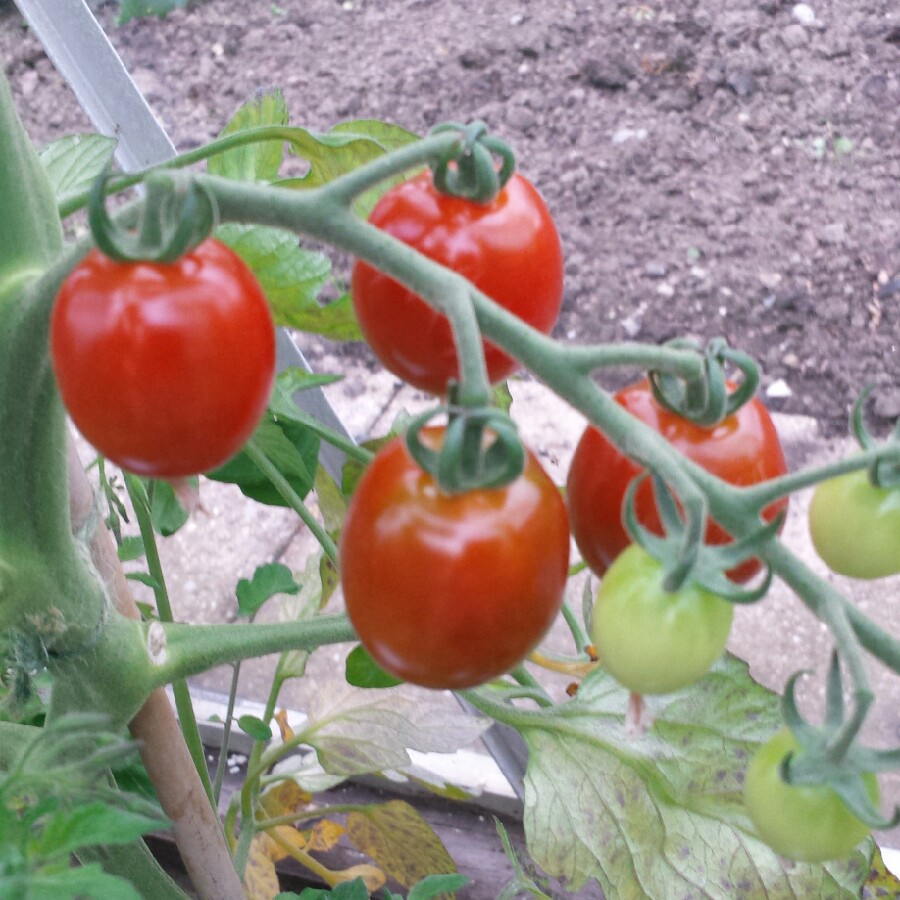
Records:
x=467, y=170
x=683, y=554
x=828, y=756
x=176, y=216
x=885, y=471
x=480, y=449
x=707, y=399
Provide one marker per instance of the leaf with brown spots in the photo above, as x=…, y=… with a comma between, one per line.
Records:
x=399, y=840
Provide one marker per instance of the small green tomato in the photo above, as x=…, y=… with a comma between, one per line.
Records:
x=652, y=641
x=855, y=526
x=809, y=823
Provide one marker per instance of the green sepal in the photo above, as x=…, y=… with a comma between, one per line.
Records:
x=816, y=762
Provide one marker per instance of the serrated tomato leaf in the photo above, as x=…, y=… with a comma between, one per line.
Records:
x=267, y=581
x=362, y=671
x=260, y=160
x=661, y=814
x=74, y=162
x=293, y=449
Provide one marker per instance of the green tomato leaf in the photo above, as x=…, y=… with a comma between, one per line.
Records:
x=84, y=881
x=355, y=732
x=346, y=890
x=332, y=503
x=135, y=9
x=259, y=161
x=89, y=826
x=362, y=671
x=292, y=448
x=291, y=279
x=255, y=727
x=144, y=578
x=501, y=396
x=302, y=604
x=75, y=161
x=289, y=382
x=660, y=814
x=267, y=581
x=166, y=512
x=433, y=885
x=343, y=148
x=130, y=549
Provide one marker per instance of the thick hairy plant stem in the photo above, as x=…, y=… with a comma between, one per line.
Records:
x=198, y=831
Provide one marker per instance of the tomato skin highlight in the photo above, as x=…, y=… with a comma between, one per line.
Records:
x=809, y=823
x=449, y=591
x=165, y=368
x=743, y=449
x=508, y=248
x=855, y=526
x=652, y=641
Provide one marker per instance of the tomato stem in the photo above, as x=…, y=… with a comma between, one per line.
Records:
x=191, y=649
x=291, y=497
x=140, y=502
x=762, y=494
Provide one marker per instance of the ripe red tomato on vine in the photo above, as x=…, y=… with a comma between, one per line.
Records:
x=165, y=368
x=743, y=449
x=508, y=248
x=451, y=590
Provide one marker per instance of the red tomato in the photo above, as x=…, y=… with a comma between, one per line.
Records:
x=165, y=368
x=743, y=449
x=508, y=249
x=448, y=591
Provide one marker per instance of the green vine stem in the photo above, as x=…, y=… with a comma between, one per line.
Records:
x=140, y=502
x=763, y=493
x=180, y=650
x=245, y=799
x=290, y=496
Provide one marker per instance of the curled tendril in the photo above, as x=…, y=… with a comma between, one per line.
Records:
x=883, y=473
x=683, y=554
x=465, y=460
x=174, y=219
x=815, y=762
x=706, y=400
x=468, y=169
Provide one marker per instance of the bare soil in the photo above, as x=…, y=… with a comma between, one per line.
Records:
x=715, y=169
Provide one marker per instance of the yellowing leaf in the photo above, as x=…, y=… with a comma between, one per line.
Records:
x=396, y=837
x=881, y=881
x=260, y=879
x=284, y=798
x=371, y=875
x=281, y=719
x=323, y=836
x=279, y=841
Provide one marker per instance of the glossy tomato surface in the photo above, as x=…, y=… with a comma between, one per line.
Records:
x=165, y=368
x=652, y=641
x=508, y=248
x=855, y=526
x=804, y=822
x=743, y=449
x=448, y=591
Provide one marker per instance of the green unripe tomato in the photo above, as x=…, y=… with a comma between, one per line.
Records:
x=809, y=823
x=855, y=526
x=651, y=641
